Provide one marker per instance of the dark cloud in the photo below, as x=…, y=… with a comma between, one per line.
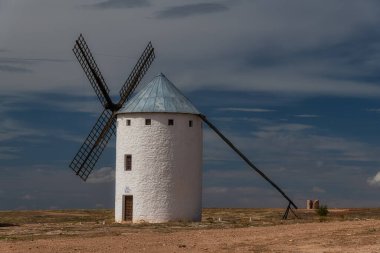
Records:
x=359, y=49
x=356, y=49
x=52, y=182
x=14, y=60
x=121, y=4
x=18, y=65
x=8, y=152
x=9, y=68
x=353, y=58
x=191, y=10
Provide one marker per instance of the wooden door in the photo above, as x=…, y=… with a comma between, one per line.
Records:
x=128, y=207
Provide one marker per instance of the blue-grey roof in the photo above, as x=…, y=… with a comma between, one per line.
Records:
x=160, y=95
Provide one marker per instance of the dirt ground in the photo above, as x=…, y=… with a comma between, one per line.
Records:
x=221, y=230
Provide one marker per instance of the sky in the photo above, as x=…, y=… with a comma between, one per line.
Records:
x=294, y=84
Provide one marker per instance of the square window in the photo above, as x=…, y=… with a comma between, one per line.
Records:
x=148, y=122
x=171, y=122
x=128, y=122
x=190, y=123
x=128, y=162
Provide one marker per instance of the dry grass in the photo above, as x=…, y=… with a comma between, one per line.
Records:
x=53, y=216
x=30, y=225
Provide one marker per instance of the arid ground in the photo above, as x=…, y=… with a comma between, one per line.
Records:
x=221, y=230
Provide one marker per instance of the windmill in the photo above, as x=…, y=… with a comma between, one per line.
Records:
x=167, y=174
x=104, y=128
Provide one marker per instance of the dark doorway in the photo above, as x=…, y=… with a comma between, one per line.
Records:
x=128, y=207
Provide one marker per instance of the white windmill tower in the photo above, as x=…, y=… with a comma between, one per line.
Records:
x=158, y=156
x=158, y=147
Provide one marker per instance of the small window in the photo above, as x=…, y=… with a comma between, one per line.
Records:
x=148, y=122
x=190, y=123
x=128, y=162
x=171, y=122
x=128, y=122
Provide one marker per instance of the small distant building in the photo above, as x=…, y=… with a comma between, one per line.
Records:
x=312, y=204
x=316, y=204
x=158, y=156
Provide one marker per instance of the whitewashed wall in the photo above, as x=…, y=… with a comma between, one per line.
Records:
x=166, y=176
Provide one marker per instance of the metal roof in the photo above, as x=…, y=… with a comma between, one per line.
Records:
x=160, y=95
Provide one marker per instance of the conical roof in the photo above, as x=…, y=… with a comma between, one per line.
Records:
x=160, y=95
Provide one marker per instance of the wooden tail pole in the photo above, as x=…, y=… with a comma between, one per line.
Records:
x=229, y=143
x=285, y=216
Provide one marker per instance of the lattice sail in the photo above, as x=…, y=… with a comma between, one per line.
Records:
x=87, y=61
x=92, y=148
x=137, y=73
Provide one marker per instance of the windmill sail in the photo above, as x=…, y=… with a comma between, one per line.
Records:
x=137, y=73
x=90, y=68
x=92, y=148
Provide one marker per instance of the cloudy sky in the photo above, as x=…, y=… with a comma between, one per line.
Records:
x=295, y=84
